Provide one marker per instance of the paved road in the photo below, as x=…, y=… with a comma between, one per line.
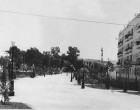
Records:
x=56, y=92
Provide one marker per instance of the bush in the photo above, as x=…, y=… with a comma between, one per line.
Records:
x=4, y=86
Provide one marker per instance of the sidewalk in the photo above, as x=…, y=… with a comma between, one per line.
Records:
x=56, y=92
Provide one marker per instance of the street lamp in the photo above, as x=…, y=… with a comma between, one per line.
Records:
x=83, y=70
x=107, y=79
x=12, y=93
x=71, y=68
x=107, y=76
x=83, y=79
x=23, y=63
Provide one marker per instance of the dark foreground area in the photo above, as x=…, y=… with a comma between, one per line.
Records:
x=14, y=105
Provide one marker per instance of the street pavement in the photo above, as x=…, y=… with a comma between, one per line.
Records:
x=56, y=92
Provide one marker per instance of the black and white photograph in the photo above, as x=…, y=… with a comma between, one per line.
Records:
x=70, y=54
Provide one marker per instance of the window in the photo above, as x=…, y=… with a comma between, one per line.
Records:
x=119, y=61
x=132, y=32
x=137, y=27
x=127, y=45
x=131, y=57
x=132, y=44
x=132, y=71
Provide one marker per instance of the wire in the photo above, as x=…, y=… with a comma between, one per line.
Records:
x=72, y=19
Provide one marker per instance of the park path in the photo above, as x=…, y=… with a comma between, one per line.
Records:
x=56, y=92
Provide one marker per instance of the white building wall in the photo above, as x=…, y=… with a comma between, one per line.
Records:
x=131, y=41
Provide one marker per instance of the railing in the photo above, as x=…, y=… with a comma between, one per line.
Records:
x=120, y=54
x=138, y=44
x=120, y=43
x=128, y=50
x=138, y=30
x=138, y=47
x=128, y=38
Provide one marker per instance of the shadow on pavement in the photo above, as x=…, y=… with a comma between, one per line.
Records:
x=129, y=92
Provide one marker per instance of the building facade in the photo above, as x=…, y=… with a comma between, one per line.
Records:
x=129, y=47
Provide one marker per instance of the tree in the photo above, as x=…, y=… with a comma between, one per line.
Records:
x=79, y=64
x=16, y=53
x=3, y=86
x=33, y=56
x=63, y=59
x=46, y=59
x=55, y=59
x=4, y=60
x=73, y=53
x=55, y=51
x=111, y=66
x=90, y=64
x=127, y=65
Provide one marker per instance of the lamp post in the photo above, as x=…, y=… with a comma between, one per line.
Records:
x=107, y=79
x=12, y=93
x=83, y=79
x=71, y=68
x=50, y=71
x=23, y=62
x=83, y=70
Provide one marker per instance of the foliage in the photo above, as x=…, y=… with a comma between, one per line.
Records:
x=4, y=86
x=110, y=66
x=46, y=59
x=73, y=53
x=55, y=51
x=4, y=60
x=33, y=56
x=55, y=58
x=78, y=64
x=63, y=60
x=16, y=53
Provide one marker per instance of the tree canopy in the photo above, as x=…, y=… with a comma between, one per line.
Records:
x=52, y=58
x=73, y=53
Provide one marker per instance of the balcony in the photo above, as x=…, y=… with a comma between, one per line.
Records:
x=120, y=43
x=120, y=54
x=128, y=36
x=128, y=50
x=138, y=29
x=127, y=63
x=138, y=44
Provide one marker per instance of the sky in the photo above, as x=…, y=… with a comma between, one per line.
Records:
x=45, y=32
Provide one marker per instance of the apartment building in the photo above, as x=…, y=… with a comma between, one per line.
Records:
x=129, y=46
